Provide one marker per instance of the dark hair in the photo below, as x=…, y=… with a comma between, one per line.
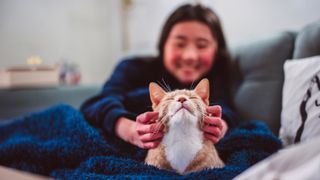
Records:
x=205, y=15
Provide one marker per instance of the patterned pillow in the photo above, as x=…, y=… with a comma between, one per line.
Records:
x=300, y=116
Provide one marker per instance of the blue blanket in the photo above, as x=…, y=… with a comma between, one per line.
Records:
x=59, y=142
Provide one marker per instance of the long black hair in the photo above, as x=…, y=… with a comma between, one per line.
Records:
x=221, y=67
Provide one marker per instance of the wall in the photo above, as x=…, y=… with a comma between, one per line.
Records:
x=83, y=31
x=248, y=19
x=243, y=20
x=90, y=32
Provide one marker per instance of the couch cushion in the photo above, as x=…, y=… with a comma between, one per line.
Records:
x=257, y=67
x=307, y=43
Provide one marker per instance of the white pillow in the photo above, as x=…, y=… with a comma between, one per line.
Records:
x=300, y=100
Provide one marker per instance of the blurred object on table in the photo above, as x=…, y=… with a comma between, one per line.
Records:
x=69, y=73
x=32, y=75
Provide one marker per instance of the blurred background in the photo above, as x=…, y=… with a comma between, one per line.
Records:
x=93, y=35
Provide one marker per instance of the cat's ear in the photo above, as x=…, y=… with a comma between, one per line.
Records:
x=156, y=93
x=202, y=89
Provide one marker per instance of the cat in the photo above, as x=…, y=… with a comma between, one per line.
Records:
x=183, y=148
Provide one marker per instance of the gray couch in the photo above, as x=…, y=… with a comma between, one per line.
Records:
x=18, y=102
x=258, y=72
x=257, y=84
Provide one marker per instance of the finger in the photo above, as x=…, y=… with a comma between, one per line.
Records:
x=213, y=121
x=147, y=116
x=212, y=138
x=146, y=128
x=150, y=145
x=212, y=131
x=215, y=110
x=151, y=137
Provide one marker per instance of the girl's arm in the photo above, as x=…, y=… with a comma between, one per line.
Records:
x=104, y=109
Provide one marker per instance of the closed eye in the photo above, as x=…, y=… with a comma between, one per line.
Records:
x=193, y=97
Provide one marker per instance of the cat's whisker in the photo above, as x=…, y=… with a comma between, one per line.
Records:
x=192, y=85
x=166, y=84
x=163, y=86
x=204, y=114
x=158, y=126
x=160, y=123
x=162, y=120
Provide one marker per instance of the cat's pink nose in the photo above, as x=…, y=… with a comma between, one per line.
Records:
x=182, y=99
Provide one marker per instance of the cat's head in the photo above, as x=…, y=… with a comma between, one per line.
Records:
x=180, y=104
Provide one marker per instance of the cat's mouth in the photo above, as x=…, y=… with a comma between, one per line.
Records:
x=182, y=108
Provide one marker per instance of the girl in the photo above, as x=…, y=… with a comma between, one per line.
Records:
x=191, y=47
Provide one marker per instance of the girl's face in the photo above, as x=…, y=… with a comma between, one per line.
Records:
x=189, y=51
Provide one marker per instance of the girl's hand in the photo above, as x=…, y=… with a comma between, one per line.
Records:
x=144, y=132
x=147, y=133
x=215, y=127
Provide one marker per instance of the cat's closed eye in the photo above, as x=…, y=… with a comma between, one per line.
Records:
x=193, y=97
x=169, y=99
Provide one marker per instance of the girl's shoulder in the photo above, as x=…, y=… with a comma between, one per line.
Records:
x=138, y=70
x=140, y=61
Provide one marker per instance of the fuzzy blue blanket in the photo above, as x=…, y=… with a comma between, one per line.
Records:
x=59, y=142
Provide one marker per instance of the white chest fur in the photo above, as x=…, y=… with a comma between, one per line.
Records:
x=183, y=141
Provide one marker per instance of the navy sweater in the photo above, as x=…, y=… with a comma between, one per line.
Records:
x=126, y=93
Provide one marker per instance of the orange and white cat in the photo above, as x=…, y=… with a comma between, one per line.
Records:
x=184, y=147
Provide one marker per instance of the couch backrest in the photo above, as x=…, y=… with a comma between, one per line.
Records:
x=307, y=43
x=258, y=72
x=258, y=77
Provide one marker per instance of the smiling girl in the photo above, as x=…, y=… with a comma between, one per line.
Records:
x=191, y=47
